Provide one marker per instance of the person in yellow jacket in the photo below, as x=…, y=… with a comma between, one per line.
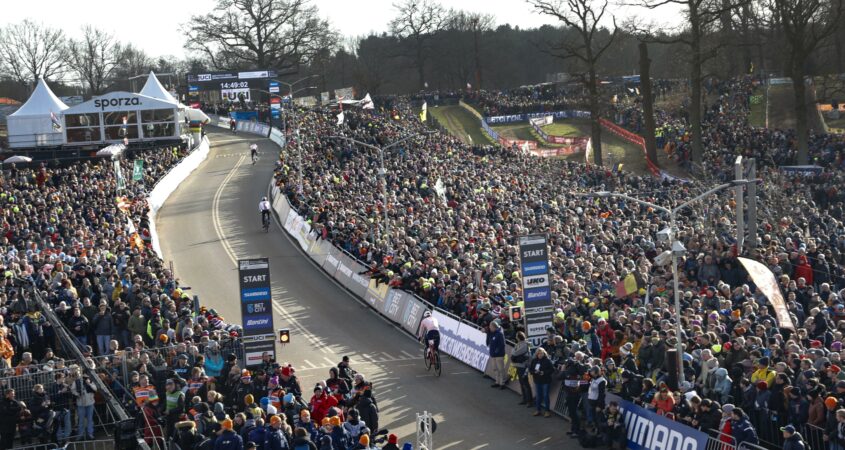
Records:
x=762, y=372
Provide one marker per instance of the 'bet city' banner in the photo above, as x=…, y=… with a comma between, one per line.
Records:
x=536, y=287
x=256, y=309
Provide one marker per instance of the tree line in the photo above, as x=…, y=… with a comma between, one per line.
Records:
x=431, y=47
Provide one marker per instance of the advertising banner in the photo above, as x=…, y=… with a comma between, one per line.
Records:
x=412, y=314
x=319, y=250
x=376, y=294
x=138, y=170
x=536, y=289
x=234, y=95
x=324, y=97
x=348, y=274
x=298, y=228
x=332, y=261
x=569, y=114
x=394, y=304
x=462, y=342
x=273, y=87
x=647, y=430
x=256, y=309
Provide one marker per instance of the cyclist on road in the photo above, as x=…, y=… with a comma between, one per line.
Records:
x=232, y=125
x=430, y=330
x=264, y=208
x=253, y=152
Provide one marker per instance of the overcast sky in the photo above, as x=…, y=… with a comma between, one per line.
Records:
x=154, y=25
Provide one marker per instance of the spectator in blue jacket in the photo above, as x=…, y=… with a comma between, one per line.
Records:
x=496, y=343
x=741, y=428
x=228, y=439
x=275, y=438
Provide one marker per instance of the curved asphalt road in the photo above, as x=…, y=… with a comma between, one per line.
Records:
x=212, y=219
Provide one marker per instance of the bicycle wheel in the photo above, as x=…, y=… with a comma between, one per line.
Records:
x=427, y=359
x=437, y=366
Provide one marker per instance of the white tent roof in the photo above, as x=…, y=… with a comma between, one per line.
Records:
x=121, y=101
x=153, y=88
x=41, y=103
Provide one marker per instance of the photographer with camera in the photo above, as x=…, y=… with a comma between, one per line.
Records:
x=61, y=397
x=83, y=390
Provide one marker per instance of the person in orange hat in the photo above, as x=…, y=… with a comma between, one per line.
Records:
x=228, y=439
x=275, y=437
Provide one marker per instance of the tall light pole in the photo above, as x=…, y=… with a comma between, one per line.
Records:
x=295, y=125
x=676, y=248
x=382, y=171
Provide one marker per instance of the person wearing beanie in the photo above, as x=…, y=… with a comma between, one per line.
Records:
x=363, y=443
x=741, y=428
x=725, y=424
x=392, y=443
x=275, y=438
x=320, y=403
x=761, y=399
x=228, y=439
x=340, y=437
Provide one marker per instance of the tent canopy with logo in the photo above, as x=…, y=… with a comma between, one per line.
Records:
x=37, y=122
x=116, y=116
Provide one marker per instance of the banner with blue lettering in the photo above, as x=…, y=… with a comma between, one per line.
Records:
x=647, y=430
x=256, y=309
x=536, y=288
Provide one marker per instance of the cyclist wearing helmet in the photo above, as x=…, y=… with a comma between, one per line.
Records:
x=430, y=329
x=253, y=152
x=264, y=208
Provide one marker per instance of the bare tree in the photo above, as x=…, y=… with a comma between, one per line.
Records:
x=649, y=124
x=475, y=24
x=585, y=41
x=94, y=57
x=698, y=35
x=418, y=21
x=806, y=25
x=29, y=51
x=268, y=34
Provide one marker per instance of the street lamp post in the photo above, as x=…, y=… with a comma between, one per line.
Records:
x=382, y=171
x=295, y=126
x=676, y=248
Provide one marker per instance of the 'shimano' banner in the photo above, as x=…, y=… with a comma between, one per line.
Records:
x=646, y=430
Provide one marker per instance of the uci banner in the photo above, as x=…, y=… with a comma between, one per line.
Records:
x=647, y=430
x=256, y=309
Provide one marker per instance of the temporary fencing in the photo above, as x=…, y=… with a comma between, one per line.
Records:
x=813, y=436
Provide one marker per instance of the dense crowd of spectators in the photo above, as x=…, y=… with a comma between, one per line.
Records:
x=455, y=214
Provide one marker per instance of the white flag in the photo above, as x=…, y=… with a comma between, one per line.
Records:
x=526, y=148
x=367, y=102
x=340, y=118
x=440, y=189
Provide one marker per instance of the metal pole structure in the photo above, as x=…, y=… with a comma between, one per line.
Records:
x=382, y=172
x=752, y=205
x=676, y=250
x=295, y=126
x=740, y=206
x=425, y=439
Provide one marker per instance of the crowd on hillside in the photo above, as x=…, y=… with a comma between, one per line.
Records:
x=527, y=100
x=456, y=210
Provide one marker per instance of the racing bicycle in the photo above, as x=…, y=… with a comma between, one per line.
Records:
x=432, y=357
x=265, y=222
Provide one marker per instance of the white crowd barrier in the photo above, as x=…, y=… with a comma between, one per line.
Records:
x=168, y=183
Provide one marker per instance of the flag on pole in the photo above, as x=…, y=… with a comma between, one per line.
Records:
x=424, y=112
x=426, y=84
x=469, y=86
x=56, y=124
x=526, y=148
x=340, y=118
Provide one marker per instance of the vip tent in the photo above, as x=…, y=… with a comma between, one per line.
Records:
x=116, y=116
x=153, y=88
x=35, y=123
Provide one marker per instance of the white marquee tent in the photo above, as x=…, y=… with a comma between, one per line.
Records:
x=116, y=116
x=153, y=88
x=32, y=124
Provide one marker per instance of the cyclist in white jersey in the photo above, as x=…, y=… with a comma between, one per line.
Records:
x=430, y=329
x=264, y=208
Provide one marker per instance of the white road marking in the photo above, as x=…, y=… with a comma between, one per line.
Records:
x=359, y=362
x=408, y=354
x=227, y=247
x=313, y=366
x=329, y=361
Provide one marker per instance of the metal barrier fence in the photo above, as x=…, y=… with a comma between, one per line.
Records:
x=768, y=426
x=717, y=444
x=813, y=437
x=103, y=444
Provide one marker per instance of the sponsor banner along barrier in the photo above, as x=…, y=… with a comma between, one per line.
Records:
x=394, y=304
x=463, y=342
x=332, y=261
x=254, y=128
x=802, y=170
x=277, y=137
x=512, y=118
x=299, y=229
x=536, y=124
x=168, y=183
x=349, y=275
x=646, y=430
x=319, y=251
x=412, y=314
x=376, y=294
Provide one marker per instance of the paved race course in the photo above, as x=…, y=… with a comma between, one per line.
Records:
x=213, y=219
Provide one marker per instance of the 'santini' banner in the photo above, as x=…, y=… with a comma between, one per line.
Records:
x=256, y=309
x=765, y=280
